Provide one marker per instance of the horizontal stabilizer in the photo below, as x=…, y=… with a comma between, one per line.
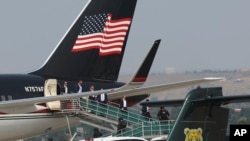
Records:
x=163, y=87
x=221, y=100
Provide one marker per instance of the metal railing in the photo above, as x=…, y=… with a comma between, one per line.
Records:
x=70, y=106
x=148, y=129
x=137, y=125
x=112, y=112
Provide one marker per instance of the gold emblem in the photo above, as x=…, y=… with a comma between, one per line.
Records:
x=193, y=134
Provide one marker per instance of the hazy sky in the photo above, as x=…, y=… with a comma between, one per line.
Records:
x=196, y=35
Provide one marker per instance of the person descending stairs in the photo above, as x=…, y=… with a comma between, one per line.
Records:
x=136, y=124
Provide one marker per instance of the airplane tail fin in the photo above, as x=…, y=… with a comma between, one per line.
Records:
x=93, y=47
x=200, y=119
x=142, y=73
x=139, y=78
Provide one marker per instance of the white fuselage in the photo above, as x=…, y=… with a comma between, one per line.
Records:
x=19, y=126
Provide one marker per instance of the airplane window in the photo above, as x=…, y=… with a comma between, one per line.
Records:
x=3, y=98
x=9, y=97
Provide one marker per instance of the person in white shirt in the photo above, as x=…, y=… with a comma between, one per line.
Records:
x=92, y=97
x=123, y=103
x=79, y=87
x=65, y=87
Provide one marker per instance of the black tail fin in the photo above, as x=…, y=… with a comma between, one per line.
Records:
x=93, y=47
x=199, y=119
x=138, y=79
x=142, y=73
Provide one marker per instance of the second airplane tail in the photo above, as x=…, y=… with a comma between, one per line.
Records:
x=94, y=45
x=138, y=79
x=141, y=75
x=200, y=119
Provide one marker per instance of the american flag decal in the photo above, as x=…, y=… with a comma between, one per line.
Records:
x=103, y=33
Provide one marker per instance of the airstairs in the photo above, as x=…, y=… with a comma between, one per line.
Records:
x=104, y=116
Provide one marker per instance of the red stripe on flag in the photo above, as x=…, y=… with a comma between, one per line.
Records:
x=109, y=41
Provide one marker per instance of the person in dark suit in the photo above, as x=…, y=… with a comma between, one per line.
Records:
x=123, y=103
x=79, y=87
x=121, y=125
x=50, y=139
x=96, y=133
x=145, y=111
x=163, y=114
x=103, y=101
x=103, y=98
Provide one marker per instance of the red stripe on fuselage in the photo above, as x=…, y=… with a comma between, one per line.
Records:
x=44, y=111
x=139, y=79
